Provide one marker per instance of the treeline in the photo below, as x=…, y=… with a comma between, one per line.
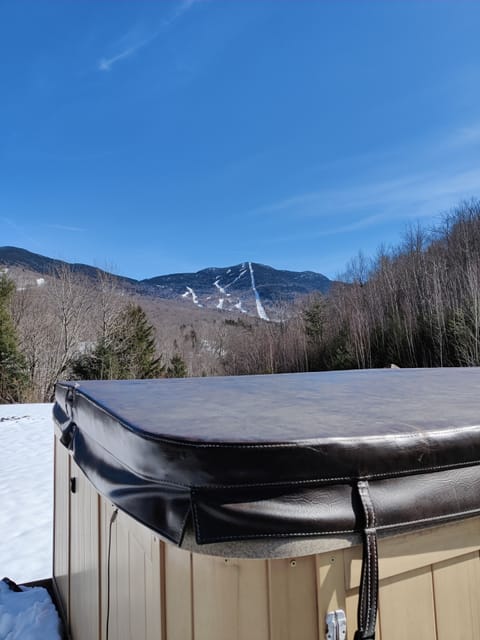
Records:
x=415, y=305
x=74, y=328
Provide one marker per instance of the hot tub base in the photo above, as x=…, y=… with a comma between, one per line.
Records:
x=123, y=574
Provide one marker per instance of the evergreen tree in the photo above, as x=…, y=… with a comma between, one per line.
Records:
x=315, y=319
x=127, y=351
x=177, y=367
x=99, y=364
x=13, y=376
x=133, y=342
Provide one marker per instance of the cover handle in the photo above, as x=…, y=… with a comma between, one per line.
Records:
x=368, y=594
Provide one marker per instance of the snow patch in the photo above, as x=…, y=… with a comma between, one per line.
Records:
x=220, y=303
x=40, y=282
x=240, y=275
x=26, y=492
x=191, y=292
x=239, y=307
x=221, y=289
x=28, y=614
x=260, y=309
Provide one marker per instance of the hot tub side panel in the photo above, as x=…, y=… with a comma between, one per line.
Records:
x=429, y=582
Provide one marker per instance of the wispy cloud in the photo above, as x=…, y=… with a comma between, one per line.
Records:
x=181, y=9
x=23, y=234
x=362, y=223
x=374, y=204
x=327, y=201
x=421, y=181
x=106, y=63
x=465, y=136
x=62, y=227
x=411, y=197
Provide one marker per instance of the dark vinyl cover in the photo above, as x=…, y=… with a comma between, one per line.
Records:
x=280, y=455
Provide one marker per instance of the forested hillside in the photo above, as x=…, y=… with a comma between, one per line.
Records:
x=414, y=305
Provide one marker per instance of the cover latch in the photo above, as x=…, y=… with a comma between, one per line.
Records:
x=336, y=625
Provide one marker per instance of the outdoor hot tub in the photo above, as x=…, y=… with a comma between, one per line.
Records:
x=277, y=507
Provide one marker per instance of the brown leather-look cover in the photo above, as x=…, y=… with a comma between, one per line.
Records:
x=280, y=455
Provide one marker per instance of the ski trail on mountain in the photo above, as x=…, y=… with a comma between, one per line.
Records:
x=260, y=309
x=219, y=287
x=191, y=292
x=239, y=307
x=243, y=271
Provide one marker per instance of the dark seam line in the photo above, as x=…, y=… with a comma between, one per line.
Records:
x=297, y=534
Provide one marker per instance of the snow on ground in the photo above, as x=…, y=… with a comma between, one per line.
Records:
x=27, y=615
x=191, y=292
x=241, y=274
x=239, y=306
x=220, y=288
x=260, y=310
x=26, y=492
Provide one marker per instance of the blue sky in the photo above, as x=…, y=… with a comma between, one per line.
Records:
x=156, y=136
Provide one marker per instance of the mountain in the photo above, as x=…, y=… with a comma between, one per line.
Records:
x=249, y=287
x=16, y=257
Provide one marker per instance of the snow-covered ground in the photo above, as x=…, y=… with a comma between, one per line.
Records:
x=27, y=615
x=26, y=520
x=26, y=491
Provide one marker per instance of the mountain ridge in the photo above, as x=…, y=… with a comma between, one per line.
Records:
x=248, y=287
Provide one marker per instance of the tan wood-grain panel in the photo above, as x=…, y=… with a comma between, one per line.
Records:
x=136, y=611
x=330, y=584
x=253, y=599
x=293, y=599
x=429, y=588
x=107, y=600
x=145, y=600
x=178, y=593
x=230, y=599
x=457, y=597
x=110, y=571
x=351, y=601
x=61, y=526
x=404, y=553
x=407, y=606
x=84, y=559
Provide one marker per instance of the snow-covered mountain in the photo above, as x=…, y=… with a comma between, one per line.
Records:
x=251, y=288
x=247, y=287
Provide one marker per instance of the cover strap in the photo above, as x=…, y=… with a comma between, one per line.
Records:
x=66, y=425
x=368, y=594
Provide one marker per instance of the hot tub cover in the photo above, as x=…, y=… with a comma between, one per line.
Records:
x=280, y=455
